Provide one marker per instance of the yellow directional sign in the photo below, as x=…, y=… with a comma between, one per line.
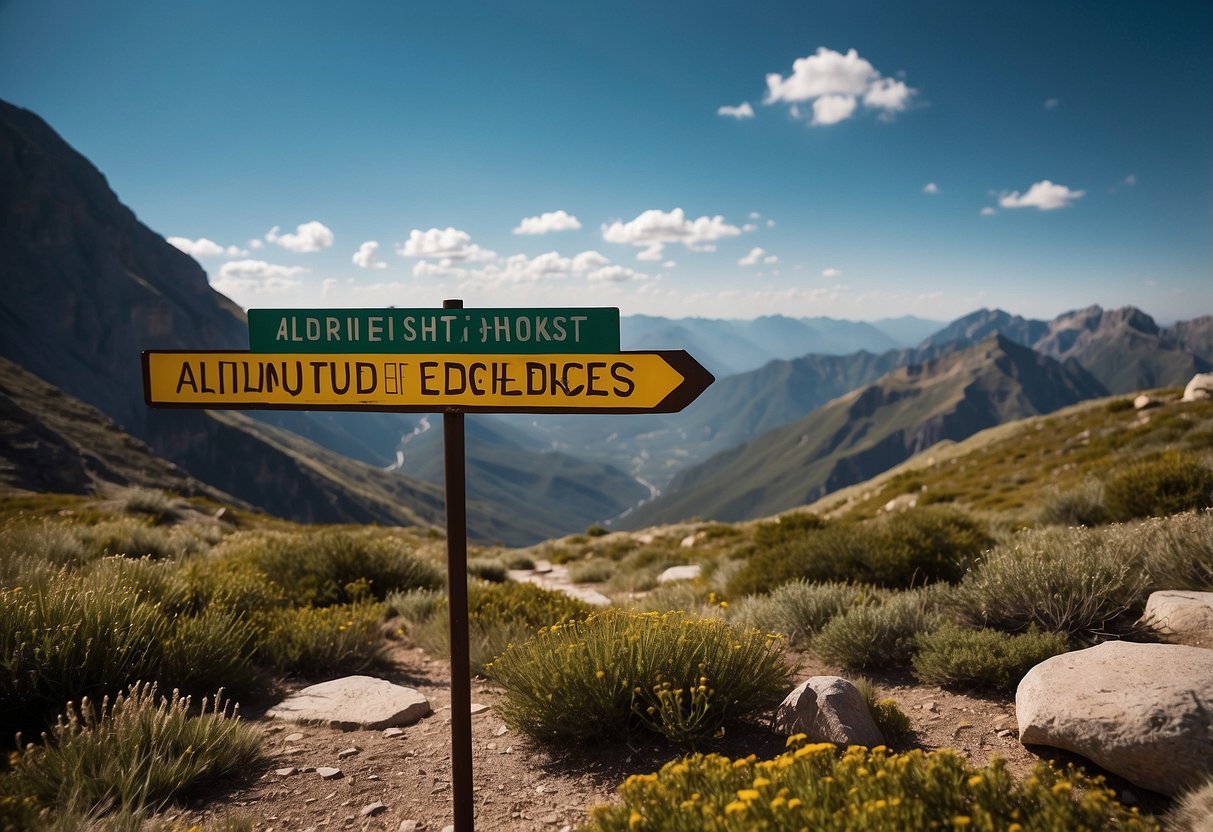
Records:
x=625, y=382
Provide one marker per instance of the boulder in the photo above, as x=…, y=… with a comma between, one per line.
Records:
x=1183, y=616
x=1141, y=711
x=828, y=709
x=353, y=702
x=679, y=573
x=1199, y=388
x=1144, y=402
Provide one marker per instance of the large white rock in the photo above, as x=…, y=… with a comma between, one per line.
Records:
x=1142, y=711
x=1185, y=616
x=828, y=709
x=353, y=702
x=688, y=572
x=1199, y=388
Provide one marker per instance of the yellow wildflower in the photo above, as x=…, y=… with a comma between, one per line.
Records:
x=734, y=807
x=975, y=781
x=747, y=794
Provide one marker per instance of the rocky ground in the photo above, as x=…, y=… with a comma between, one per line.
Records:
x=392, y=780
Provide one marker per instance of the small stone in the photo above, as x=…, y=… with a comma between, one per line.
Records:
x=1003, y=732
x=286, y=772
x=347, y=752
x=539, y=790
x=409, y=825
x=509, y=749
x=372, y=777
x=329, y=773
x=372, y=809
x=552, y=818
x=274, y=729
x=450, y=827
x=477, y=708
x=491, y=746
x=501, y=731
x=392, y=733
x=296, y=737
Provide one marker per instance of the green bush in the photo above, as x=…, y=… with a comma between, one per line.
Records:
x=594, y=571
x=1160, y=486
x=621, y=672
x=799, y=609
x=54, y=542
x=953, y=656
x=324, y=640
x=892, y=721
x=1176, y=551
x=487, y=569
x=597, y=531
x=909, y=548
x=141, y=751
x=330, y=567
x=812, y=787
x=498, y=615
x=787, y=528
x=877, y=635
x=150, y=501
x=1068, y=581
x=687, y=596
x=1082, y=505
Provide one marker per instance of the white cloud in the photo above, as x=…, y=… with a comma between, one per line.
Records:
x=1043, y=195
x=834, y=83
x=770, y=223
x=831, y=273
x=741, y=111
x=616, y=274
x=256, y=244
x=888, y=94
x=831, y=109
x=988, y=211
x=202, y=247
x=754, y=215
x=930, y=188
x=1052, y=103
x=748, y=227
x=365, y=256
x=245, y=280
x=753, y=257
x=825, y=73
x=310, y=236
x=445, y=244
x=327, y=286
x=654, y=228
x=588, y=260
x=1131, y=179
x=548, y=222
x=670, y=264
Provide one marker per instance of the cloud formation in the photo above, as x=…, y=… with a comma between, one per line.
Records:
x=310, y=236
x=548, y=222
x=444, y=244
x=245, y=280
x=741, y=111
x=831, y=273
x=757, y=255
x=1043, y=195
x=202, y=247
x=835, y=83
x=930, y=188
x=520, y=269
x=654, y=228
x=365, y=257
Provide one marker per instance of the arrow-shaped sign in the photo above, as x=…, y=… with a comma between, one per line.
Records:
x=663, y=381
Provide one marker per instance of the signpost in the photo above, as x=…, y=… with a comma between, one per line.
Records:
x=453, y=361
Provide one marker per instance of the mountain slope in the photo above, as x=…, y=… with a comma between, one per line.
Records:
x=872, y=428
x=51, y=441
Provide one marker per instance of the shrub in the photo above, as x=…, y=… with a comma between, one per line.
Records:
x=1082, y=505
x=47, y=540
x=156, y=504
x=498, y=615
x=1176, y=551
x=688, y=596
x=953, y=656
x=799, y=609
x=812, y=787
x=307, y=640
x=901, y=550
x=1194, y=811
x=892, y=721
x=876, y=635
x=593, y=571
x=141, y=751
x=597, y=531
x=620, y=672
x=1066, y=581
x=487, y=569
x=330, y=567
x=787, y=528
x=519, y=561
x=1167, y=484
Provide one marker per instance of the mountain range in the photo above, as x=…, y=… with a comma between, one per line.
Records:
x=801, y=406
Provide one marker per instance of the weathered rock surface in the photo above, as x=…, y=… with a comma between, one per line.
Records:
x=1142, y=711
x=688, y=572
x=1184, y=616
x=828, y=709
x=353, y=702
x=1199, y=388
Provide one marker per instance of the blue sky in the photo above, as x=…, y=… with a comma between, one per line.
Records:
x=872, y=160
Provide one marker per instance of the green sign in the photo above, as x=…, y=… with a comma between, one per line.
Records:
x=471, y=331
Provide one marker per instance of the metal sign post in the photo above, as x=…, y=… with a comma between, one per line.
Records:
x=450, y=361
x=457, y=606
